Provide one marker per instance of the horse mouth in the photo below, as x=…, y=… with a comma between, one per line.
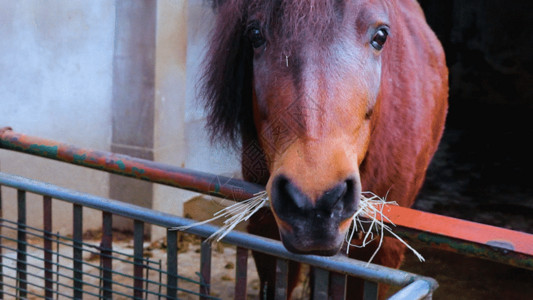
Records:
x=318, y=248
x=314, y=227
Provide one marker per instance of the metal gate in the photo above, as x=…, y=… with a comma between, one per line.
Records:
x=43, y=264
x=33, y=265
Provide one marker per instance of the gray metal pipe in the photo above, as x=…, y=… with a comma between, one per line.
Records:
x=339, y=263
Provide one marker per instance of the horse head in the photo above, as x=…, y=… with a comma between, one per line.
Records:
x=301, y=81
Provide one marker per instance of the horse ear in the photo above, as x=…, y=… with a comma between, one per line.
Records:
x=227, y=80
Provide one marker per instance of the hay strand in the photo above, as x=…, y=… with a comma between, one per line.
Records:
x=234, y=214
x=370, y=212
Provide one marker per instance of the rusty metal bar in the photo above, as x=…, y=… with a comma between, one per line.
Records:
x=58, y=265
x=138, y=240
x=241, y=270
x=282, y=275
x=47, y=245
x=77, y=254
x=337, y=286
x=320, y=284
x=125, y=165
x=205, y=269
x=172, y=264
x=464, y=237
x=22, y=272
x=106, y=260
x=1, y=249
x=370, y=290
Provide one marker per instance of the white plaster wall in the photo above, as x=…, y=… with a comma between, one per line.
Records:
x=56, y=73
x=55, y=83
x=180, y=135
x=171, y=80
x=201, y=154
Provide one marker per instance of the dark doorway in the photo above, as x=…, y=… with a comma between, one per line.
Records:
x=482, y=171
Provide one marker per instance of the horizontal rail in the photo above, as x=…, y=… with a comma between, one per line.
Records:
x=493, y=243
x=125, y=165
x=339, y=264
x=414, y=291
x=464, y=237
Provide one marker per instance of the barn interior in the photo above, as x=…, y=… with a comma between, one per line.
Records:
x=482, y=167
x=481, y=171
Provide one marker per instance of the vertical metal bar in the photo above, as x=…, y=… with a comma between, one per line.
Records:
x=205, y=268
x=77, y=254
x=337, y=286
x=172, y=263
x=241, y=270
x=47, y=245
x=106, y=246
x=282, y=275
x=57, y=264
x=138, y=240
x=159, y=286
x=1, y=249
x=320, y=284
x=146, y=277
x=370, y=291
x=21, y=245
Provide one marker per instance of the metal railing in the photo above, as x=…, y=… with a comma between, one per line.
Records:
x=78, y=272
x=484, y=241
x=512, y=248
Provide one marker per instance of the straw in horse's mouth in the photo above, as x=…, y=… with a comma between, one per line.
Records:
x=370, y=213
x=234, y=214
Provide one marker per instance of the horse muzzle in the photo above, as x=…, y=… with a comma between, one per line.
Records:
x=314, y=226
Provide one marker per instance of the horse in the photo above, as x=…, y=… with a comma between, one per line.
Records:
x=325, y=99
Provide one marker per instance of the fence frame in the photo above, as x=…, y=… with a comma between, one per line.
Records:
x=473, y=239
x=451, y=234
x=415, y=286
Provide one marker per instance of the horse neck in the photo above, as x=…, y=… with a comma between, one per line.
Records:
x=412, y=108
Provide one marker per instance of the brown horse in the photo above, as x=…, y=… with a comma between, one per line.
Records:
x=326, y=98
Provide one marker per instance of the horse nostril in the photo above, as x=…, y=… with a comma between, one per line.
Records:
x=286, y=197
x=340, y=198
x=290, y=203
x=333, y=196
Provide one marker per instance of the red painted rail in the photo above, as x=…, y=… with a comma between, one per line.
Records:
x=465, y=237
x=515, y=241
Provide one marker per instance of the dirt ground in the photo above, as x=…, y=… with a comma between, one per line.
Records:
x=462, y=277
x=459, y=277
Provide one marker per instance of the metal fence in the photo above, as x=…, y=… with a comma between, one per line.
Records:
x=150, y=278
x=484, y=241
x=41, y=264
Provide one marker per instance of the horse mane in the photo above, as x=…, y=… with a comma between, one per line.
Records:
x=228, y=71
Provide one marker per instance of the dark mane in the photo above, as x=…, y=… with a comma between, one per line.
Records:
x=228, y=72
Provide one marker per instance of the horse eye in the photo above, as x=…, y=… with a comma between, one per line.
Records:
x=255, y=36
x=379, y=38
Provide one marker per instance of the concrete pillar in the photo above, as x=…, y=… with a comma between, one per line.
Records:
x=133, y=97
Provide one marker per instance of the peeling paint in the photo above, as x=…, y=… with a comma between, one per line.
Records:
x=48, y=151
x=121, y=165
x=137, y=170
x=79, y=158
